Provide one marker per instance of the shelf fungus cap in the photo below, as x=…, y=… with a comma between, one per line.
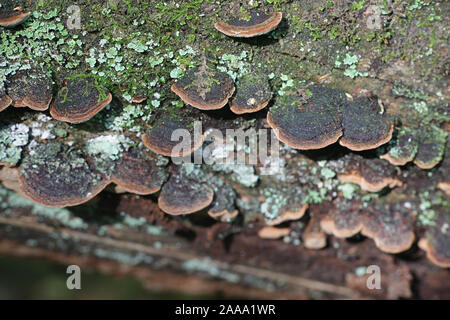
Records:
x=391, y=230
x=436, y=242
x=79, y=100
x=344, y=222
x=255, y=24
x=223, y=206
x=159, y=137
x=53, y=175
x=432, y=143
x=307, y=124
x=5, y=100
x=180, y=196
x=204, y=88
x=289, y=215
x=364, y=126
x=404, y=149
x=252, y=94
x=125, y=162
x=139, y=173
x=10, y=16
x=371, y=175
x=273, y=233
x=31, y=88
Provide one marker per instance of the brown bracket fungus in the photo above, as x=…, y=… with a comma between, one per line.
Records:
x=313, y=237
x=11, y=16
x=138, y=173
x=181, y=195
x=54, y=175
x=391, y=230
x=31, y=88
x=5, y=100
x=10, y=178
x=432, y=142
x=223, y=208
x=79, y=100
x=404, y=149
x=311, y=124
x=344, y=222
x=204, y=88
x=273, y=233
x=252, y=94
x=256, y=24
x=159, y=137
x=371, y=175
x=124, y=162
x=443, y=174
x=436, y=242
x=364, y=127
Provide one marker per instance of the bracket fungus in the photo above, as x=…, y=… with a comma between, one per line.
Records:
x=371, y=175
x=273, y=233
x=181, y=195
x=80, y=99
x=431, y=150
x=124, y=162
x=404, y=149
x=255, y=24
x=5, y=100
x=344, y=222
x=364, y=127
x=31, y=88
x=223, y=207
x=204, y=87
x=159, y=137
x=436, y=242
x=252, y=94
x=391, y=229
x=53, y=175
x=11, y=16
x=308, y=123
x=424, y=146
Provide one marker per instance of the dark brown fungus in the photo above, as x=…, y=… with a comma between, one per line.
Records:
x=204, y=88
x=313, y=237
x=432, y=141
x=159, y=137
x=436, y=242
x=344, y=222
x=56, y=175
x=391, y=230
x=137, y=172
x=364, y=126
x=5, y=100
x=255, y=24
x=443, y=174
x=252, y=94
x=79, y=100
x=11, y=16
x=404, y=149
x=273, y=233
x=223, y=207
x=311, y=123
x=371, y=175
x=31, y=88
x=10, y=178
x=181, y=195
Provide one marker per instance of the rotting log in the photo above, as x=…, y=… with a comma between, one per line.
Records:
x=379, y=81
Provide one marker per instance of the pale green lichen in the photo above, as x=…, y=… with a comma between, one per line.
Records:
x=12, y=139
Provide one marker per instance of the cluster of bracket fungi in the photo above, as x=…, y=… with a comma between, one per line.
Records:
x=56, y=174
